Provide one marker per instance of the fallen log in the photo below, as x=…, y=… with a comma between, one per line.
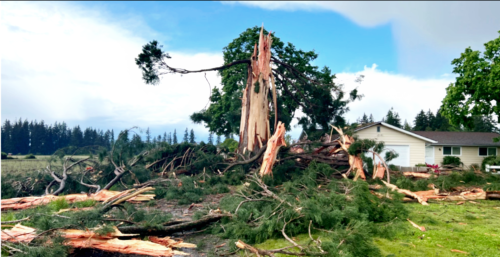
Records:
x=102, y=196
x=409, y=193
x=493, y=195
x=166, y=230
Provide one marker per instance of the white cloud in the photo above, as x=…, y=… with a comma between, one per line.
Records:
x=428, y=34
x=64, y=62
x=383, y=90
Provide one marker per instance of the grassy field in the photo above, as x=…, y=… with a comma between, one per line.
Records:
x=21, y=165
x=471, y=228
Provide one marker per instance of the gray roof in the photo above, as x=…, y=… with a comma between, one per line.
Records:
x=460, y=138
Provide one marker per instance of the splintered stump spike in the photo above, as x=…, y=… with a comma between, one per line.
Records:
x=273, y=146
x=254, y=123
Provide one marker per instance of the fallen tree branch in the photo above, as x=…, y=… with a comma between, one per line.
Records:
x=259, y=153
x=174, y=228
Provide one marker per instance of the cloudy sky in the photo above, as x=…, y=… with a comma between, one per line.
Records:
x=74, y=61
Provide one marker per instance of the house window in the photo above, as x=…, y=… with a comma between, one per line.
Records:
x=452, y=150
x=487, y=151
x=378, y=128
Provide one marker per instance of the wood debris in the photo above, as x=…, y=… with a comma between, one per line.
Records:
x=355, y=162
x=421, y=200
x=417, y=174
x=102, y=196
x=19, y=233
x=421, y=228
x=379, y=172
x=109, y=242
x=273, y=146
x=458, y=251
x=169, y=242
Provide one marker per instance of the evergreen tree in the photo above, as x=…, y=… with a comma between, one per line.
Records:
x=210, y=138
x=218, y=141
x=371, y=118
x=191, y=137
x=420, y=121
x=112, y=137
x=169, y=138
x=392, y=118
x=407, y=126
x=185, y=139
x=136, y=144
x=484, y=124
x=158, y=140
x=430, y=121
x=175, y=137
x=164, y=137
x=148, y=136
x=77, y=137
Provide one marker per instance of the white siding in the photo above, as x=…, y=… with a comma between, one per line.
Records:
x=393, y=137
x=469, y=155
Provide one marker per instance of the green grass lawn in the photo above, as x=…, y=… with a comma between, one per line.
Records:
x=473, y=228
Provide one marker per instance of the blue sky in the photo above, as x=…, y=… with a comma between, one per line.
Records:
x=208, y=27
x=74, y=61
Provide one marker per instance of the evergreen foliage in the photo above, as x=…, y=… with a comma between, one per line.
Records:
x=346, y=208
x=392, y=118
x=185, y=139
x=210, y=138
x=192, y=137
x=174, y=141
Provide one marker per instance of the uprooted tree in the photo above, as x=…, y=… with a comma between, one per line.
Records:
x=260, y=70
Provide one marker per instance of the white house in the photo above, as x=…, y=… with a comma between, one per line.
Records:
x=415, y=147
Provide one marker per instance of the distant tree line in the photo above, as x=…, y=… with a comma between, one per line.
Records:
x=428, y=121
x=23, y=137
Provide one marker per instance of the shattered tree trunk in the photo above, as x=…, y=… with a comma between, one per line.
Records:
x=254, y=125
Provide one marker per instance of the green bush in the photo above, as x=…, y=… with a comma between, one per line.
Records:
x=30, y=156
x=490, y=160
x=230, y=144
x=452, y=160
x=393, y=167
x=4, y=156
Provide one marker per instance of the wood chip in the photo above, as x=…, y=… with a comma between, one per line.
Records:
x=439, y=245
x=458, y=251
x=460, y=203
x=421, y=228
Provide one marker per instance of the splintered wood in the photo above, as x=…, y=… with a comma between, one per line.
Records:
x=109, y=242
x=19, y=233
x=273, y=146
x=355, y=162
x=254, y=124
x=101, y=196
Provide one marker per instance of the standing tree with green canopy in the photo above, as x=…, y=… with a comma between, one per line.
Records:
x=476, y=90
x=290, y=82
